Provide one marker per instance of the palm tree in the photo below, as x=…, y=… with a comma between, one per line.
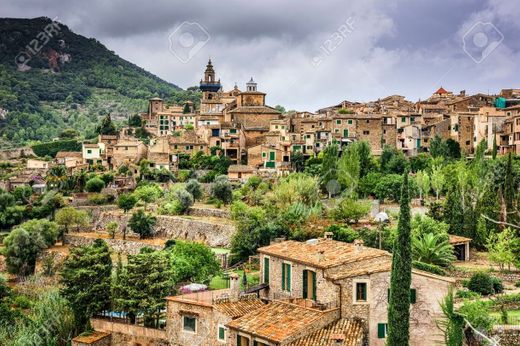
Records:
x=57, y=176
x=433, y=249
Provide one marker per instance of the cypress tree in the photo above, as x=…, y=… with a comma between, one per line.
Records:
x=401, y=276
x=453, y=210
x=495, y=146
x=509, y=191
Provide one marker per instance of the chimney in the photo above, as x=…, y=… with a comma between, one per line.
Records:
x=328, y=235
x=234, y=287
x=358, y=245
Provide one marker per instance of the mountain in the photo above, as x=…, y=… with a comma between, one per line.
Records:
x=52, y=79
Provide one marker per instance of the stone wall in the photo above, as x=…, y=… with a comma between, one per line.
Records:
x=209, y=212
x=129, y=247
x=214, y=234
x=128, y=334
x=509, y=335
x=94, y=339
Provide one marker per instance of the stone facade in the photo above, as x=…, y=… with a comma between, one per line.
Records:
x=508, y=336
x=326, y=291
x=130, y=335
x=129, y=247
x=212, y=233
x=94, y=339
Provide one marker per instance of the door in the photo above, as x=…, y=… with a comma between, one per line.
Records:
x=309, y=284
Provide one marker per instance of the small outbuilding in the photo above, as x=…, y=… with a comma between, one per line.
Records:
x=460, y=247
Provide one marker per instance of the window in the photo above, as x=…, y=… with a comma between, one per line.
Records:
x=89, y=151
x=361, y=291
x=338, y=122
x=264, y=154
x=412, y=119
x=221, y=333
x=242, y=341
x=350, y=121
x=286, y=277
x=189, y=323
x=382, y=330
x=366, y=132
x=309, y=284
x=403, y=119
x=272, y=155
x=266, y=270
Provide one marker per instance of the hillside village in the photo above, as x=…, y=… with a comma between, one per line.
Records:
x=236, y=223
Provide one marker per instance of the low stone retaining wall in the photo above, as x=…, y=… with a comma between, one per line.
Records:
x=129, y=334
x=209, y=212
x=129, y=247
x=509, y=335
x=214, y=234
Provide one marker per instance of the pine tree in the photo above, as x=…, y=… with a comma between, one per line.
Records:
x=107, y=127
x=401, y=276
x=85, y=277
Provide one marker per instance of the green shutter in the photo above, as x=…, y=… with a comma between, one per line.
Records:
x=266, y=270
x=381, y=330
x=239, y=340
x=305, y=284
x=313, y=285
x=288, y=277
x=413, y=296
x=283, y=276
x=255, y=343
x=345, y=132
x=221, y=333
x=272, y=155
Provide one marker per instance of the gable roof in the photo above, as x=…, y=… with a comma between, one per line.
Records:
x=239, y=308
x=346, y=332
x=321, y=253
x=277, y=321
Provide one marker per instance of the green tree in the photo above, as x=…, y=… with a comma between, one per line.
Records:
x=221, y=189
x=329, y=170
x=95, y=184
x=112, y=228
x=148, y=193
x=298, y=161
x=438, y=180
x=85, y=277
x=365, y=157
x=107, y=127
x=349, y=170
x=194, y=187
x=501, y=249
x=142, y=285
x=26, y=242
x=142, y=224
x=350, y=211
x=510, y=192
x=401, y=276
x=423, y=182
x=193, y=262
x=453, y=210
x=126, y=202
x=453, y=323
x=135, y=121
x=70, y=217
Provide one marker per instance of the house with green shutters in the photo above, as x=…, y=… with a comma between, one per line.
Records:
x=355, y=280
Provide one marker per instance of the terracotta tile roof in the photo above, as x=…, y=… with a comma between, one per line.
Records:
x=91, y=338
x=455, y=239
x=345, y=332
x=365, y=268
x=64, y=154
x=322, y=253
x=277, y=321
x=239, y=308
x=240, y=168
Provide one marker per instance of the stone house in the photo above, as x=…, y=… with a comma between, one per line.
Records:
x=240, y=172
x=353, y=278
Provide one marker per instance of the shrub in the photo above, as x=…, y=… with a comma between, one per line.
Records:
x=99, y=198
x=350, y=211
x=345, y=234
x=183, y=175
x=517, y=284
x=427, y=267
x=498, y=286
x=95, y=185
x=482, y=283
x=467, y=294
x=478, y=314
x=22, y=302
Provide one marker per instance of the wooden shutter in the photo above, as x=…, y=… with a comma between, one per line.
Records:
x=305, y=284
x=239, y=340
x=313, y=285
x=266, y=270
x=288, y=277
x=413, y=295
x=380, y=331
x=283, y=276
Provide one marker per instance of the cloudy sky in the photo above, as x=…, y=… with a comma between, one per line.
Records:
x=307, y=54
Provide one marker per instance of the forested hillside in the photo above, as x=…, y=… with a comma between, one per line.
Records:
x=64, y=80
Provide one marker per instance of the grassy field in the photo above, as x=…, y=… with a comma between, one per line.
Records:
x=513, y=317
x=219, y=282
